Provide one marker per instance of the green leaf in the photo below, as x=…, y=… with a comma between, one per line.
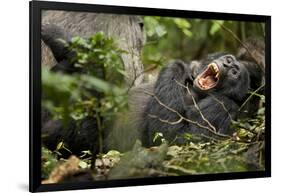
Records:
x=153, y=27
x=101, y=85
x=157, y=135
x=160, y=31
x=216, y=26
x=182, y=23
x=123, y=72
x=59, y=145
x=83, y=165
x=187, y=32
x=181, y=169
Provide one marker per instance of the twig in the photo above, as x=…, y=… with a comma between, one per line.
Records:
x=252, y=94
x=222, y=104
x=240, y=42
x=138, y=75
x=165, y=120
x=184, y=118
x=210, y=138
x=192, y=122
x=197, y=107
x=100, y=132
x=174, y=140
x=250, y=130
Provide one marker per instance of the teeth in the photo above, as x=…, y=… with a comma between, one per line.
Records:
x=215, y=69
x=217, y=75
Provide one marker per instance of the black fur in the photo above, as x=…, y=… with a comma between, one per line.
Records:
x=77, y=136
x=218, y=105
x=253, y=59
x=56, y=38
x=230, y=91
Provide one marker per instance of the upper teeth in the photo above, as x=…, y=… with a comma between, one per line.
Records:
x=214, y=67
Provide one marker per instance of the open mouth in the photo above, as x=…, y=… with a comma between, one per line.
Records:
x=209, y=78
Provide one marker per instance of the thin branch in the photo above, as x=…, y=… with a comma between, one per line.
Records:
x=252, y=94
x=240, y=42
x=222, y=104
x=190, y=121
x=184, y=118
x=210, y=138
x=249, y=130
x=100, y=133
x=165, y=120
x=197, y=107
x=138, y=75
x=162, y=104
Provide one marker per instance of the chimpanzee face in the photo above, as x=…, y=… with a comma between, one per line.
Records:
x=223, y=68
x=225, y=74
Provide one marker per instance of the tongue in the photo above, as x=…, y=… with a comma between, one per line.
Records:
x=207, y=81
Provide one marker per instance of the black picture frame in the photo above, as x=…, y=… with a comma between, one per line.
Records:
x=35, y=94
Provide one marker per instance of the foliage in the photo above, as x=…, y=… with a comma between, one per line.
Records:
x=140, y=162
x=92, y=92
x=48, y=162
x=244, y=152
x=99, y=56
x=211, y=157
x=185, y=38
x=100, y=92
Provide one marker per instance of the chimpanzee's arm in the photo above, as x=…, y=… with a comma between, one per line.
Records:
x=169, y=89
x=218, y=110
x=53, y=36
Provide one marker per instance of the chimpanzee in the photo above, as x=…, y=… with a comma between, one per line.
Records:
x=200, y=97
x=77, y=136
x=252, y=56
x=127, y=29
x=55, y=37
x=201, y=101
